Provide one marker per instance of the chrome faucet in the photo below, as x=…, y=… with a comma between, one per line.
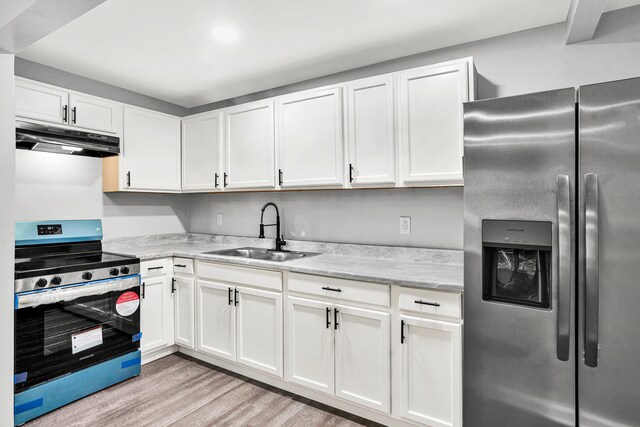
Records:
x=279, y=238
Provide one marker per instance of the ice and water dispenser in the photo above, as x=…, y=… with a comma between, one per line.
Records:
x=517, y=262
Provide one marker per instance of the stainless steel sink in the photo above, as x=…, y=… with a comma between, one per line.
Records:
x=261, y=253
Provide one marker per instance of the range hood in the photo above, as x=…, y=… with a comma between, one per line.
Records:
x=51, y=139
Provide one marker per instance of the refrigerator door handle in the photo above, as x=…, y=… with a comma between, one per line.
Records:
x=592, y=279
x=563, y=275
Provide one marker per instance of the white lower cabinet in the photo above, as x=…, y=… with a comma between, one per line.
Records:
x=430, y=374
x=156, y=308
x=259, y=329
x=184, y=301
x=216, y=317
x=339, y=350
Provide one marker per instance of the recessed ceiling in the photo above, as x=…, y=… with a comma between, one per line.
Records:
x=167, y=49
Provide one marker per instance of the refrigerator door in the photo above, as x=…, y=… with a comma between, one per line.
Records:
x=519, y=361
x=609, y=256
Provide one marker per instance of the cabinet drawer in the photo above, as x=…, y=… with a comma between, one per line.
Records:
x=156, y=267
x=240, y=275
x=340, y=289
x=183, y=266
x=438, y=303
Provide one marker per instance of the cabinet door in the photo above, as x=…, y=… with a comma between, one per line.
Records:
x=216, y=317
x=41, y=102
x=363, y=357
x=184, y=293
x=249, y=146
x=156, y=313
x=151, y=150
x=431, y=372
x=201, y=152
x=371, y=131
x=431, y=123
x=259, y=316
x=95, y=113
x=309, y=138
x=309, y=344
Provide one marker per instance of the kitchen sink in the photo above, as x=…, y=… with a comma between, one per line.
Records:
x=261, y=253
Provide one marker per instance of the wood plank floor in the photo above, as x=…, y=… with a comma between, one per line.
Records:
x=181, y=391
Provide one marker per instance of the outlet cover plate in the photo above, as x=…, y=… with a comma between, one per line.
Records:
x=405, y=225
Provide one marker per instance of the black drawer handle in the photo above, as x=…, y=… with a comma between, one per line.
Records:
x=326, y=288
x=180, y=265
x=434, y=304
x=143, y=286
x=155, y=268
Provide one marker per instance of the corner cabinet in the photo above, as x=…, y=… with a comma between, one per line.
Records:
x=431, y=123
x=201, y=152
x=310, y=139
x=151, y=157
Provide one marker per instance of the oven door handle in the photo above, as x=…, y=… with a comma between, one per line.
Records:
x=72, y=292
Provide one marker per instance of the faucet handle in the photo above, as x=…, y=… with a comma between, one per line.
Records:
x=282, y=241
x=261, y=236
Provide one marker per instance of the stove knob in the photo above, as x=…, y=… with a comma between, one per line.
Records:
x=41, y=283
x=125, y=270
x=56, y=280
x=87, y=275
x=114, y=271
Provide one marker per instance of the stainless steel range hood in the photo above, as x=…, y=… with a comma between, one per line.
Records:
x=51, y=139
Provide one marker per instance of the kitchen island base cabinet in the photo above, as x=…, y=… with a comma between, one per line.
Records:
x=430, y=377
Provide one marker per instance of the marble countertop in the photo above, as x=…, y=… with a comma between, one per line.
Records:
x=410, y=267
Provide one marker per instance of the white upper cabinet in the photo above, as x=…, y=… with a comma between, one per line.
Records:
x=201, y=145
x=309, y=138
x=41, y=102
x=38, y=101
x=431, y=124
x=371, y=131
x=249, y=146
x=94, y=113
x=151, y=150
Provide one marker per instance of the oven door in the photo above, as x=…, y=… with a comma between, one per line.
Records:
x=65, y=329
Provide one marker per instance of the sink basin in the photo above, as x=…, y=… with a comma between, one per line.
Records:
x=261, y=253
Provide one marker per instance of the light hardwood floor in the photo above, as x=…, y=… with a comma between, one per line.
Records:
x=181, y=391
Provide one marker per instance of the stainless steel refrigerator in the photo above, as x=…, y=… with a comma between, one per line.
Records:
x=552, y=258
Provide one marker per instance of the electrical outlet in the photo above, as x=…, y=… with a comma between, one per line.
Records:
x=405, y=225
x=219, y=220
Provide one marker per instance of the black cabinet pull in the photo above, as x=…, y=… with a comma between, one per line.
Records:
x=215, y=181
x=328, y=318
x=64, y=113
x=129, y=179
x=180, y=265
x=154, y=268
x=143, y=286
x=280, y=177
x=402, y=332
x=173, y=285
x=326, y=288
x=434, y=304
x=350, y=172
x=73, y=115
x=230, y=296
x=224, y=180
x=335, y=318
x=236, y=298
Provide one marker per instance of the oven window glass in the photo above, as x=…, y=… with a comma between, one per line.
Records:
x=517, y=276
x=63, y=337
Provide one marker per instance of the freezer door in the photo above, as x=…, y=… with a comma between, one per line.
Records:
x=519, y=361
x=609, y=254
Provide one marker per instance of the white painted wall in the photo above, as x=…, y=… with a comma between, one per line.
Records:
x=55, y=186
x=7, y=142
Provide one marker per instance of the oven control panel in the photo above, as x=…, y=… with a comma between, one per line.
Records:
x=47, y=229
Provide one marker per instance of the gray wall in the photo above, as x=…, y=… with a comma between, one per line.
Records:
x=7, y=131
x=43, y=73
x=55, y=186
x=353, y=216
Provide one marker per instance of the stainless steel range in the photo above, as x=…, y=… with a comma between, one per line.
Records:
x=77, y=315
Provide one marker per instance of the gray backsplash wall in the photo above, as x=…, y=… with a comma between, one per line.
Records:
x=353, y=216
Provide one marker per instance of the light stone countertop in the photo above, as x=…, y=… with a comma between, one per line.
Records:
x=403, y=266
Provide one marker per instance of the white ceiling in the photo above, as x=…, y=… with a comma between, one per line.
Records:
x=164, y=48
